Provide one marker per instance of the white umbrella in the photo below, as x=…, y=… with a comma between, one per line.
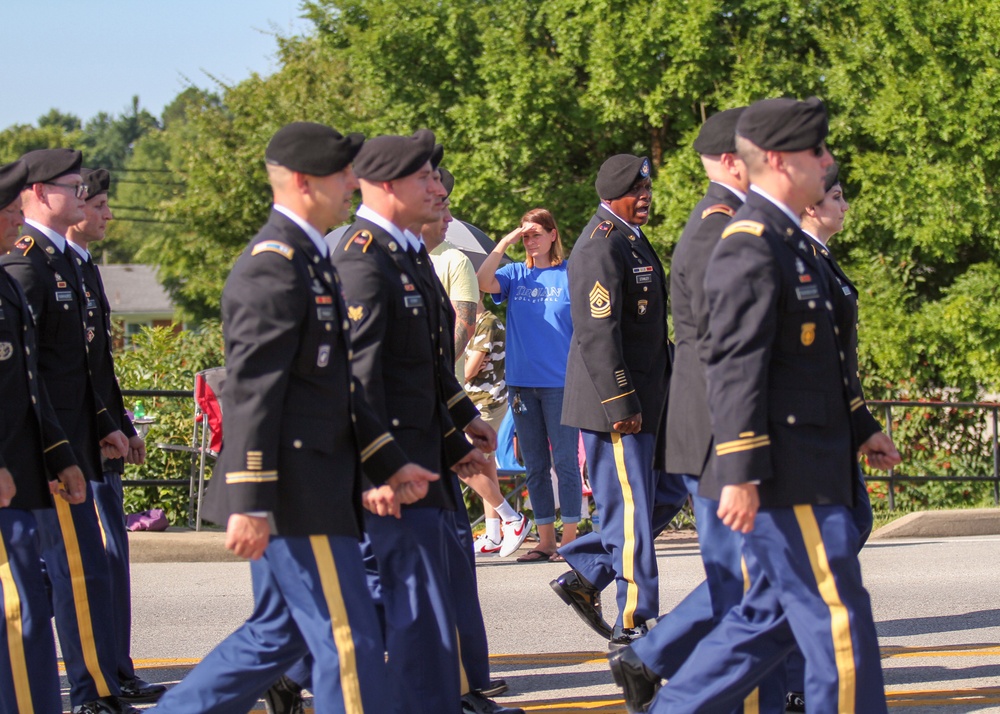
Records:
x=471, y=241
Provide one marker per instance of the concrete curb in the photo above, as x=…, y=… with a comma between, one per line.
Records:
x=943, y=524
x=179, y=545
x=183, y=545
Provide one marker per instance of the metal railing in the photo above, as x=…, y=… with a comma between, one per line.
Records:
x=892, y=478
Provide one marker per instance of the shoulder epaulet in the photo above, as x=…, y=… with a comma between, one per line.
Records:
x=602, y=230
x=752, y=227
x=25, y=244
x=718, y=208
x=363, y=239
x=273, y=246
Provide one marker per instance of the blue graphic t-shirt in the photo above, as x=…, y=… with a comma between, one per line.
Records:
x=539, y=324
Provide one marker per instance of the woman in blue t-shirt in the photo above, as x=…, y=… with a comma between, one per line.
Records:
x=539, y=328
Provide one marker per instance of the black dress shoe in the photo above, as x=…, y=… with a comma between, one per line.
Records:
x=137, y=690
x=105, y=705
x=476, y=703
x=624, y=636
x=495, y=688
x=585, y=600
x=795, y=702
x=638, y=681
x=284, y=697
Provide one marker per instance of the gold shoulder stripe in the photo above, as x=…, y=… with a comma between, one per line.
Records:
x=370, y=450
x=604, y=228
x=273, y=246
x=857, y=403
x=752, y=227
x=361, y=238
x=718, y=208
x=732, y=447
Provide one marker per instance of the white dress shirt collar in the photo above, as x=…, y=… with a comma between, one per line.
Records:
x=80, y=250
x=57, y=240
x=632, y=226
x=735, y=191
x=314, y=235
x=383, y=222
x=797, y=220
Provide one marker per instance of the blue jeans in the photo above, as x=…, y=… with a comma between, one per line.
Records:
x=538, y=425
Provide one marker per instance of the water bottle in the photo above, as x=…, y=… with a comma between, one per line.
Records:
x=140, y=410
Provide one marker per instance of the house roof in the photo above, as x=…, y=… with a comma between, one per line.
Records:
x=133, y=288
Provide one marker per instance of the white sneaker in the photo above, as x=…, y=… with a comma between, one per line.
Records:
x=514, y=533
x=485, y=545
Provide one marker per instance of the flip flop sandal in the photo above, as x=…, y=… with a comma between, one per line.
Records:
x=535, y=556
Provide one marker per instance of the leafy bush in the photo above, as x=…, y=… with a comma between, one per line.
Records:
x=160, y=358
x=952, y=442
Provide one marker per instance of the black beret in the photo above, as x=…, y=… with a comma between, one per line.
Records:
x=310, y=148
x=785, y=124
x=49, y=164
x=832, y=177
x=448, y=180
x=98, y=181
x=437, y=155
x=718, y=133
x=618, y=173
x=386, y=158
x=13, y=177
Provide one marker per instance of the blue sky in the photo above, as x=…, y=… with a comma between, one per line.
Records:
x=87, y=56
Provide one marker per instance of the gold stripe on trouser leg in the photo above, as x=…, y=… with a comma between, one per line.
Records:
x=462, y=676
x=628, y=549
x=81, y=603
x=15, y=634
x=751, y=705
x=100, y=524
x=350, y=685
x=840, y=625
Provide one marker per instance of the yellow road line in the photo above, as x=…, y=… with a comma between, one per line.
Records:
x=577, y=658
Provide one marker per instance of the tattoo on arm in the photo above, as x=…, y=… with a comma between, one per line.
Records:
x=465, y=326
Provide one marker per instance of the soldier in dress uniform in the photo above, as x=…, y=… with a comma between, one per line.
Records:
x=784, y=412
x=298, y=432
x=72, y=548
x=401, y=336
x=36, y=463
x=108, y=491
x=617, y=377
x=639, y=668
x=821, y=222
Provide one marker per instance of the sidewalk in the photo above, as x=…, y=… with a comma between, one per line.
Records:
x=183, y=545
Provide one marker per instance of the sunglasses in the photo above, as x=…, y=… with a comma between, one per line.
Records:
x=79, y=189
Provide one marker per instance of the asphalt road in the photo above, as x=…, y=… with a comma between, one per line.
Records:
x=935, y=600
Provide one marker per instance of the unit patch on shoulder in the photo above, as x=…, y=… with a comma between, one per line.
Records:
x=718, y=208
x=752, y=227
x=356, y=312
x=362, y=239
x=6, y=351
x=273, y=246
x=600, y=302
x=602, y=230
x=26, y=243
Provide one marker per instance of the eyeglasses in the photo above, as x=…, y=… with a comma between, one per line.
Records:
x=79, y=189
